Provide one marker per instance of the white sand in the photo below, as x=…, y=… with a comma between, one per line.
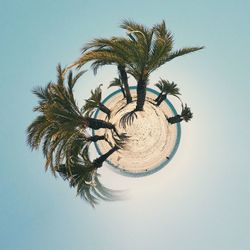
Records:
x=151, y=138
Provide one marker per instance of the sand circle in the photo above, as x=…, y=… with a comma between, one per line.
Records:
x=151, y=142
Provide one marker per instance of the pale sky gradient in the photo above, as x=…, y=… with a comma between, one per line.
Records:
x=200, y=201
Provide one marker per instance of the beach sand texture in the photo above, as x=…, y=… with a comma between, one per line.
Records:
x=151, y=137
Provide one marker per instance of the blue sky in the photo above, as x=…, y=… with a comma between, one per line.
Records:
x=199, y=201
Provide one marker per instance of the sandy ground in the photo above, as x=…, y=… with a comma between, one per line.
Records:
x=151, y=138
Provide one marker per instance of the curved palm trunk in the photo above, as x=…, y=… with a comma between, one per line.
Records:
x=175, y=119
x=99, y=161
x=158, y=97
x=104, y=109
x=97, y=123
x=96, y=138
x=141, y=95
x=161, y=99
x=124, y=79
x=123, y=91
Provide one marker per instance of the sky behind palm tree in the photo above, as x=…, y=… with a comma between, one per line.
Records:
x=200, y=200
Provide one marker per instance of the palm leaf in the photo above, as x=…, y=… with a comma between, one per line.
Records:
x=93, y=101
x=182, y=52
x=186, y=113
x=115, y=83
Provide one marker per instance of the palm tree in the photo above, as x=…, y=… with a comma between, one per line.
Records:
x=61, y=126
x=105, y=52
x=139, y=55
x=100, y=160
x=185, y=115
x=95, y=102
x=153, y=47
x=58, y=142
x=166, y=88
x=160, y=86
x=58, y=103
x=82, y=175
x=124, y=79
x=117, y=83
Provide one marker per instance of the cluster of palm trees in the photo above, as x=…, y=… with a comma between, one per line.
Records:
x=138, y=54
x=61, y=130
x=61, y=127
x=170, y=88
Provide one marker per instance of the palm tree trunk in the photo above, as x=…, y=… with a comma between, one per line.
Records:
x=124, y=80
x=96, y=138
x=141, y=95
x=104, y=109
x=99, y=161
x=158, y=97
x=123, y=91
x=175, y=119
x=161, y=99
x=97, y=123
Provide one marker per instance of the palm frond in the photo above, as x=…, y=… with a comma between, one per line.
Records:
x=160, y=86
x=115, y=83
x=83, y=176
x=120, y=140
x=60, y=74
x=186, y=113
x=182, y=52
x=127, y=119
x=169, y=88
x=105, y=54
x=93, y=101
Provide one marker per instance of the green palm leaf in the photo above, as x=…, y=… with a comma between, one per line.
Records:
x=60, y=127
x=83, y=176
x=115, y=83
x=186, y=113
x=182, y=52
x=93, y=101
